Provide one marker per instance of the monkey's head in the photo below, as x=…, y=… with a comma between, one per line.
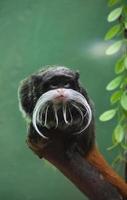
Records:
x=54, y=99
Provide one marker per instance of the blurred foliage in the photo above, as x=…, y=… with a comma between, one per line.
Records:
x=118, y=86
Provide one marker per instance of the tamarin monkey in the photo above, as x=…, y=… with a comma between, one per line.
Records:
x=59, y=107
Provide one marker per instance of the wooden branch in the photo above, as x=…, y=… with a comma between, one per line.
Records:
x=91, y=174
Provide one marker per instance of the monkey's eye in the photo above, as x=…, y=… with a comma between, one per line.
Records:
x=67, y=85
x=53, y=86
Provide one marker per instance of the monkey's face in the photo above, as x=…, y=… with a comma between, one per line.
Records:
x=61, y=106
x=60, y=103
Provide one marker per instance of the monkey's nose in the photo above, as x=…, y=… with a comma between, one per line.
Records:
x=60, y=94
x=61, y=91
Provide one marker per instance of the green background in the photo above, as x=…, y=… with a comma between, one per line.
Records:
x=34, y=33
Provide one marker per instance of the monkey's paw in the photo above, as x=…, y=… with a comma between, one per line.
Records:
x=38, y=146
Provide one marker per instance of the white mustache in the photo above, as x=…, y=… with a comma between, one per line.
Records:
x=74, y=98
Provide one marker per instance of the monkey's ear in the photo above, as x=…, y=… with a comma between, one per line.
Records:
x=26, y=93
x=77, y=75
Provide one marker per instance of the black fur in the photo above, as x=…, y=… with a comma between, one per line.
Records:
x=35, y=85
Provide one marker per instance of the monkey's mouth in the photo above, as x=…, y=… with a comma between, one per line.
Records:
x=63, y=112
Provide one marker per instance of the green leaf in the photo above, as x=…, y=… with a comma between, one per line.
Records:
x=114, y=48
x=114, y=83
x=112, y=32
x=124, y=146
x=113, y=139
x=123, y=101
x=115, y=97
x=112, y=147
x=125, y=81
x=125, y=24
x=125, y=63
x=118, y=134
x=113, y=2
x=108, y=115
x=115, y=14
x=125, y=9
x=119, y=67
